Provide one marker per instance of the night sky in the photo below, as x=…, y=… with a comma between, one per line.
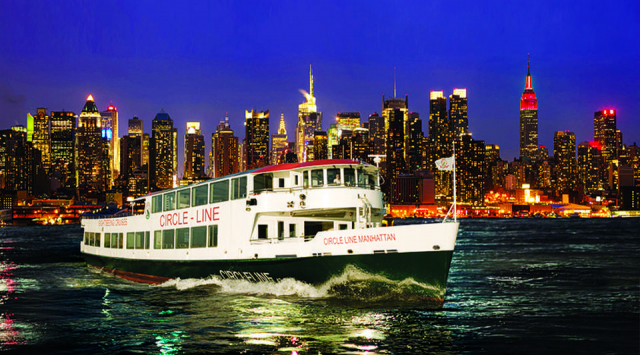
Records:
x=198, y=60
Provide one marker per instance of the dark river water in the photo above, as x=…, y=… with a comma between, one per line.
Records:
x=517, y=286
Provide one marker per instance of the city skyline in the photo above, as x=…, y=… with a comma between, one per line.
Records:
x=578, y=66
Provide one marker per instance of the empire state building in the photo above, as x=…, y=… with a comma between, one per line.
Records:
x=528, y=120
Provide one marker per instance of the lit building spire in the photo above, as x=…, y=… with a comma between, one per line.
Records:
x=529, y=100
x=310, y=81
x=281, y=128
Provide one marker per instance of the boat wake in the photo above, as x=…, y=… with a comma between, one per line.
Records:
x=352, y=284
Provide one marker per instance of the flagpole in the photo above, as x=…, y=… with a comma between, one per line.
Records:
x=455, y=205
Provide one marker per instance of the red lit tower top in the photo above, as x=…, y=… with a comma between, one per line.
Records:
x=528, y=101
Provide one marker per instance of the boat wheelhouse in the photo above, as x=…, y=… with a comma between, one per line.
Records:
x=308, y=221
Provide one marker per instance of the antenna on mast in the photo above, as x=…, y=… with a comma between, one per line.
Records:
x=394, y=82
x=310, y=81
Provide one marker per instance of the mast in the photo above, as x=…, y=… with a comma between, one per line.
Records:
x=455, y=204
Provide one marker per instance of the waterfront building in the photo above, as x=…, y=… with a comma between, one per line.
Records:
x=162, y=151
x=589, y=176
x=320, y=148
x=109, y=123
x=224, y=151
x=332, y=138
x=194, y=156
x=458, y=121
x=279, y=141
x=528, y=119
x=63, y=148
x=90, y=148
x=377, y=138
x=42, y=136
x=414, y=141
x=440, y=145
x=470, y=170
x=564, y=153
x=389, y=105
x=309, y=121
x=257, y=139
x=19, y=161
x=604, y=132
x=395, y=147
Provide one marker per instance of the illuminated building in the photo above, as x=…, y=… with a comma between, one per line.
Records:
x=257, y=136
x=110, y=133
x=470, y=170
x=528, y=120
x=309, y=121
x=391, y=105
x=604, y=132
x=414, y=141
x=320, y=148
x=376, y=136
x=459, y=124
x=564, y=153
x=440, y=145
x=30, y=123
x=360, y=144
x=224, y=151
x=19, y=161
x=395, y=147
x=348, y=121
x=279, y=142
x=589, y=175
x=90, y=148
x=131, y=159
x=162, y=151
x=63, y=152
x=332, y=138
x=42, y=136
x=194, y=156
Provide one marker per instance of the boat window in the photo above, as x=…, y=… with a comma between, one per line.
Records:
x=156, y=204
x=147, y=236
x=139, y=240
x=263, y=231
x=200, y=195
x=317, y=177
x=97, y=239
x=311, y=228
x=130, y=240
x=107, y=240
x=280, y=230
x=120, y=240
x=199, y=237
x=280, y=183
x=182, y=238
x=343, y=226
x=219, y=191
x=157, y=240
x=295, y=180
x=86, y=238
x=360, y=178
x=184, y=198
x=169, y=201
x=349, y=177
x=292, y=231
x=213, y=235
x=114, y=240
x=167, y=239
x=262, y=182
x=239, y=188
x=333, y=176
x=305, y=175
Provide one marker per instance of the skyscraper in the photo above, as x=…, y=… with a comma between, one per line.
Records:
x=90, y=148
x=604, y=132
x=162, y=151
x=470, y=167
x=395, y=147
x=63, y=152
x=414, y=147
x=440, y=144
x=42, y=136
x=194, y=158
x=564, y=152
x=389, y=105
x=279, y=142
x=377, y=135
x=589, y=167
x=110, y=133
x=257, y=136
x=528, y=120
x=224, y=158
x=459, y=124
x=309, y=121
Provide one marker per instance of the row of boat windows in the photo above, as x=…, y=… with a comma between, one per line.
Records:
x=234, y=189
x=180, y=238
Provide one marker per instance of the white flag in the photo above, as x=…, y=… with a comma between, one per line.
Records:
x=445, y=163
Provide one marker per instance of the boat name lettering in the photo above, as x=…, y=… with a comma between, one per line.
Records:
x=174, y=219
x=208, y=214
x=115, y=222
x=355, y=239
x=245, y=275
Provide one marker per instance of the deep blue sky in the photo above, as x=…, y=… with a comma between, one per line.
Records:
x=198, y=60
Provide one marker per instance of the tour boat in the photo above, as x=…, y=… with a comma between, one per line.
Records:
x=315, y=222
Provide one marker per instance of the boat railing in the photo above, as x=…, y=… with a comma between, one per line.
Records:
x=278, y=241
x=300, y=188
x=119, y=214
